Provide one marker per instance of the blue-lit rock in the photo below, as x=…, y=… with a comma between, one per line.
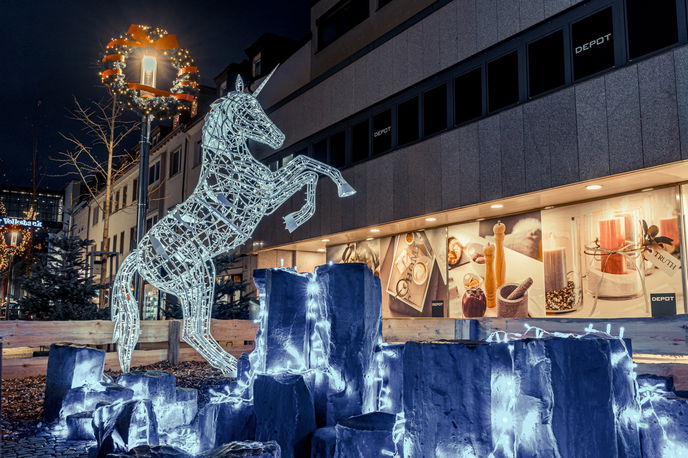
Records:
x=85, y=398
x=625, y=404
x=284, y=413
x=269, y=449
x=352, y=302
x=69, y=366
x=287, y=332
x=123, y=426
x=181, y=411
x=80, y=426
x=391, y=387
x=324, y=442
x=153, y=385
x=225, y=422
x=582, y=386
x=159, y=451
x=665, y=417
x=447, y=399
x=365, y=435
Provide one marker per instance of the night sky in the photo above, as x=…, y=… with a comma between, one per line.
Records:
x=50, y=51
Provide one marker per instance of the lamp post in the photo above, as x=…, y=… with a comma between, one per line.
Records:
x=148, y=74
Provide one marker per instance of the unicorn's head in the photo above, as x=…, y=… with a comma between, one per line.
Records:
x=239, y=115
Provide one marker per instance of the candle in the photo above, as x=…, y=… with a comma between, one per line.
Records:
x=630, y=226
x=668, y=227
x=613, y=237
x=500, y=263
x=555, y=269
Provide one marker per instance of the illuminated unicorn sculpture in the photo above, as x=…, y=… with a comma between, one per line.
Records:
x=234, y=192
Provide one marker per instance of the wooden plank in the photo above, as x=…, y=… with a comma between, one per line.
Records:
x=666, y=335
x=405, y=329
x=175, y=330
x=26, y=367
x=99, y=332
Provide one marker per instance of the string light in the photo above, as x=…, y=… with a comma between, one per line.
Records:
x=234, y=192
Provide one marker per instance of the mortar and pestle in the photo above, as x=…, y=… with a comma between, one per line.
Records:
x=512, y=299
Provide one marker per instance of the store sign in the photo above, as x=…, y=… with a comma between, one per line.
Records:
x=663, y=304
x=5, y=221
x=663, y=261
x=384, y=131
x=591, y=44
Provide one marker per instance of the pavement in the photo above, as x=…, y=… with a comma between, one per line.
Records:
x=43, y=444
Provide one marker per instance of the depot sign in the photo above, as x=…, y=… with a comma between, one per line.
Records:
x=7, y=221
x=592, y=43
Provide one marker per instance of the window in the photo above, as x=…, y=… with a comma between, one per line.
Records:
x=338, y=150
x=546, y=63
x=113, y=247
x=257, y=65
x=132, y=239
x=273, y=166
x=115, y=205
x=285, y=160
x=435, y=110
x=592, y=40
x=198, y=154
x=651, y=26
x=360, y=136
x=135, y=190
x=502, y=81
x=121, y=242
x=340, y=19
x=320, y=151
x=222, y=89
x=408, y=121
x=176, y=162
x=382, y=132
x=154, y=173
x=124, y=196
x=150, y=222
x=468, y=96
x=95, y=215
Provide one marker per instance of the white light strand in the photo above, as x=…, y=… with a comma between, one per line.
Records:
x=234, y=193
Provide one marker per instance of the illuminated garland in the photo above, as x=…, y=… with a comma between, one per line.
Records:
x=24, y=236
x=146, y=99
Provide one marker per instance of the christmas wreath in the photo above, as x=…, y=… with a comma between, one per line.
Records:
x=149, y=100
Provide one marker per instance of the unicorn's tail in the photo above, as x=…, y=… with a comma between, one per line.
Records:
x=125, y=312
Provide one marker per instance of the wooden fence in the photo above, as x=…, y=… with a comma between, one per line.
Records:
x=660, y=345
x=236, y=336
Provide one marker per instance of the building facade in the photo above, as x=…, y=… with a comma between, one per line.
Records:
x=563, y=121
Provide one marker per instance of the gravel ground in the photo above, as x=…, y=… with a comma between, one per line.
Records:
x=22, y=404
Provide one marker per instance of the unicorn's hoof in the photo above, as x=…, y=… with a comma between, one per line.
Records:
x=346, y=190
x=290, y=222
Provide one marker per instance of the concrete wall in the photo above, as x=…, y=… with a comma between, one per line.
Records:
x=627, y=119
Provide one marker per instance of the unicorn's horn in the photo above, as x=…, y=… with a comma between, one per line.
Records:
x=260, y=88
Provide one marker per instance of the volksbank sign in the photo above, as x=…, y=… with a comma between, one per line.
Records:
x=6, y=221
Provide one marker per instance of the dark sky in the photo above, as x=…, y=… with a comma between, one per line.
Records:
x=50, y=50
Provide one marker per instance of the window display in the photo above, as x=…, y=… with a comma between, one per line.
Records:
x=618, y=257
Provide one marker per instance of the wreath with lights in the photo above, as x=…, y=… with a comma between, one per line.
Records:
x=149, y=100
x=7, y=250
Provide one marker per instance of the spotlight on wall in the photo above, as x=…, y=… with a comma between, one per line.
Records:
x=325, y=240
x=593, y=187
x=496, y=206
x=375, y=230
x=431, y=219
x=370, y=238
x=321, y=250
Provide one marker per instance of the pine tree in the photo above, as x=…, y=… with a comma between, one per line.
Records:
x=226, y=305
x=58, y=288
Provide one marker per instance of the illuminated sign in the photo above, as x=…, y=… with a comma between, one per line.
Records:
x=5, y=221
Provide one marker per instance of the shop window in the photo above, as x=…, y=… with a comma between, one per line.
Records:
x=154, y=173
x=435, y=110
x=651, y=26
x=175, y=162
x=468, y=96
x=502, y=81
x=360, y=148
x=407, y=113
x=592, y=43
x=546, y=63
x=337, y=21
x=338, y=150
x=320, y=151
x=382, y=132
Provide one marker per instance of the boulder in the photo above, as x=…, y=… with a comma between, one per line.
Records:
x=365, y=435
x=80, y=426
x=447, y=399
x=625, y=404
x=284, y=413
x=85, y=398
x=225, y=422
x=664, y=419
x=245, y=449
x=158, y=386
x=351, y=307
x=324, y=442
x=179, y=412
x=391, y=378
x=123, y=426
x=159, y=451
x=69, y=366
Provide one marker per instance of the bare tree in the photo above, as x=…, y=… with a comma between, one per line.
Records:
x=97, y=155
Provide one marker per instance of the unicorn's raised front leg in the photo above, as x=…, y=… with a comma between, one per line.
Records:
x=197, y=302
x=305, y=163
x=297, y=218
